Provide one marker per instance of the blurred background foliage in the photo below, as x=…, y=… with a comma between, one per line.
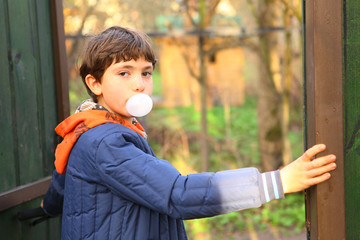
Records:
x=253, y=107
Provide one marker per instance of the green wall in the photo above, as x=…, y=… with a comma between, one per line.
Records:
x=28, y=108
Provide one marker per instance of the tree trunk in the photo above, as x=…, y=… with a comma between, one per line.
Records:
x=203, y=92
x=269, y=89
x=287, y=157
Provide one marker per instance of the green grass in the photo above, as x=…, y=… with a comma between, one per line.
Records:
x=157, y=87
x=285, y=215
x=233, y=142
x=77, y=94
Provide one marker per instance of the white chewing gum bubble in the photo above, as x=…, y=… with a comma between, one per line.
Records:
x=139, y=105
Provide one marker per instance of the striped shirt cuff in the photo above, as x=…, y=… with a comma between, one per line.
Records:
x=270, y=186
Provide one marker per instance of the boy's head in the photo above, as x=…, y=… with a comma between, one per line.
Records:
x=115, y=44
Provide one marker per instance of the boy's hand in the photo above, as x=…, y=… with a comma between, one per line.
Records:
x=304, y=172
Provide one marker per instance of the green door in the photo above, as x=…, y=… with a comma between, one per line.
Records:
x=351, y=88
x=29, y=114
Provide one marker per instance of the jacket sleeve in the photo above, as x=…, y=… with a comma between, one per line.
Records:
x=54, y=197
x=154, y=183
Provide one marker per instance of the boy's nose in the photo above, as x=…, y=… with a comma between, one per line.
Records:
x=139, y=85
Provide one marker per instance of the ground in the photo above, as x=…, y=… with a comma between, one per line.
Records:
x=263, y=236
x=269, y=236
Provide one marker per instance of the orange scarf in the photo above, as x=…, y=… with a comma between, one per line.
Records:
x=72, y=128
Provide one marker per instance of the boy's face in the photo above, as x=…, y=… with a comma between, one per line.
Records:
x=121, y=81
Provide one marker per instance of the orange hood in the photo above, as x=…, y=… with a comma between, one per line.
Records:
x=71, y=129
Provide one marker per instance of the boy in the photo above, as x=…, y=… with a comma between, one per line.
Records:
x=110, y=183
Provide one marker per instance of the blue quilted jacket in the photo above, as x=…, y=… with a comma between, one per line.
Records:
x=116, y=188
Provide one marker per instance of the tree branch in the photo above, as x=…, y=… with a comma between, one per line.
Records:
x=188, y=14
x=187, y=59
x=253, y=11
x=296, y=13
x=211, y=11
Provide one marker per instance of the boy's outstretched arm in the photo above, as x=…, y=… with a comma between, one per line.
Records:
x=305, y=172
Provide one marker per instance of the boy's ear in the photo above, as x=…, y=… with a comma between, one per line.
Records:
x=93, y=84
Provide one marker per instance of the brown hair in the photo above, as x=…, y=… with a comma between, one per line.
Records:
x=115, y=44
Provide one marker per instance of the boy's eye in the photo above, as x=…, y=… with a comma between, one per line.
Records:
x=147, y=74
x=123, y=74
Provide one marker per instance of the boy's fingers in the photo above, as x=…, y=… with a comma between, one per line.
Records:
x=311, y=152
x=319, y=179
x=321, y=161
x=314, y=173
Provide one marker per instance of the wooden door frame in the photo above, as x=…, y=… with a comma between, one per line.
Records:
x=325, y=203
x=38, y=188
x=59, y=50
